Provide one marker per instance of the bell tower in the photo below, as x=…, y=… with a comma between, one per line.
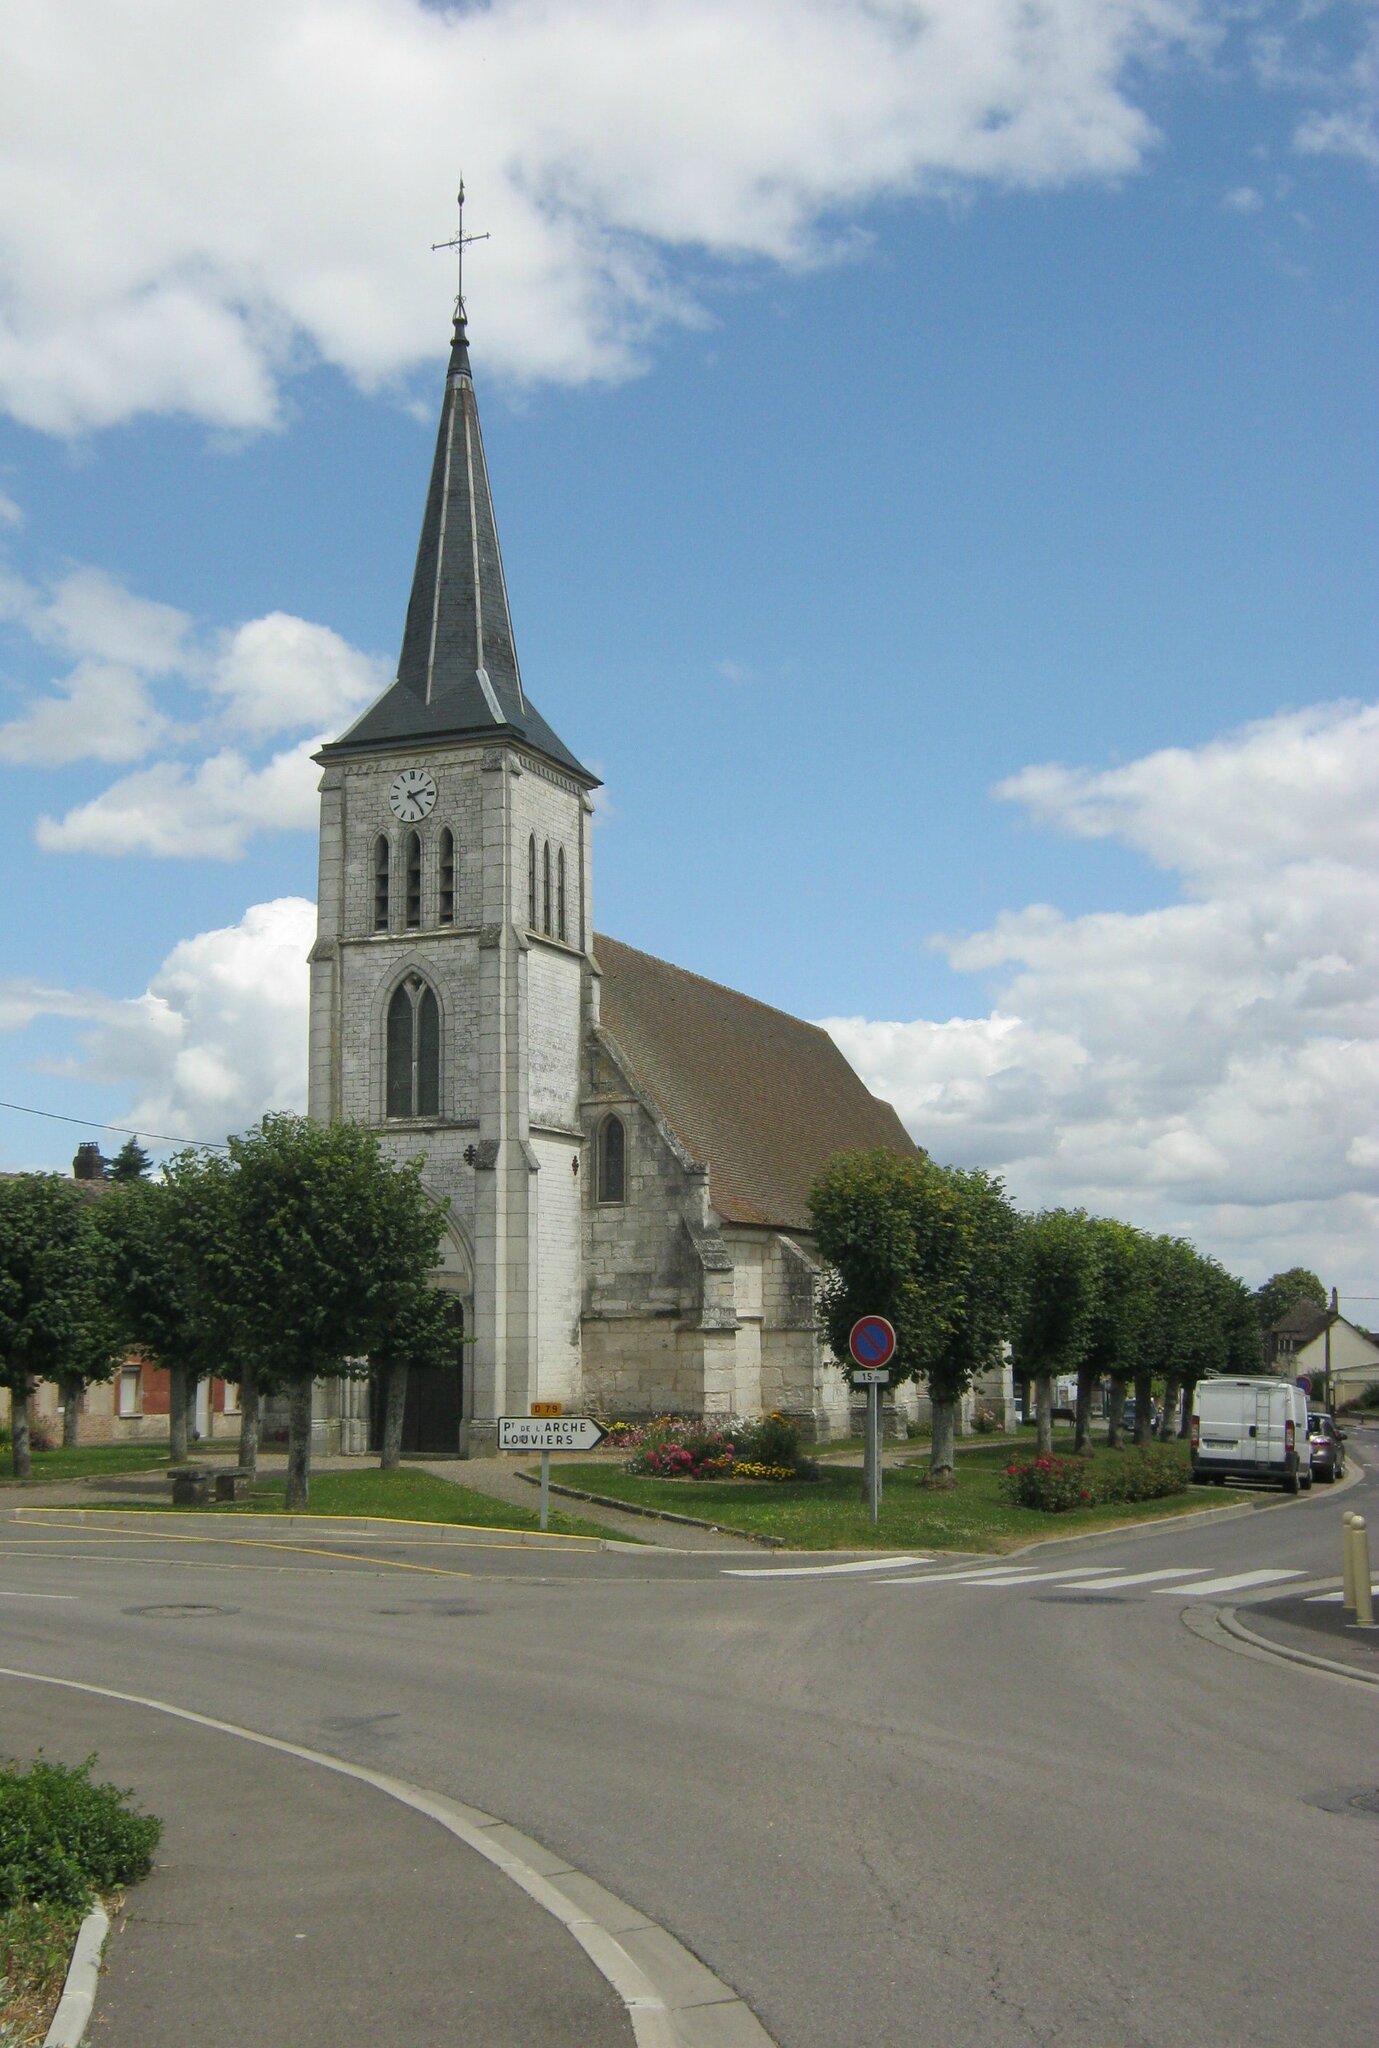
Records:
x=451, y=973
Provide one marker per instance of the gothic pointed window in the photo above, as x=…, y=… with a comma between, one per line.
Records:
x=447, y=890
x=612, y=1160
x=413, y=880
x=414, y=1050
x=381, y=861
x=560, y=893
x=531, y=883
x=546, y=888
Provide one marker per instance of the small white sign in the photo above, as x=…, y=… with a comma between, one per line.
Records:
x=871, y=1379
x=548, y=1433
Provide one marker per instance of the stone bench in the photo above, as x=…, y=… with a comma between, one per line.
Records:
x=191, y=1486
x=233, y=1485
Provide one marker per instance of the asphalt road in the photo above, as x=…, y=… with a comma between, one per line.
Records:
x=911, y=1806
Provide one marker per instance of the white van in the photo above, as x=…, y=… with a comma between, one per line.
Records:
x=1251, y=1429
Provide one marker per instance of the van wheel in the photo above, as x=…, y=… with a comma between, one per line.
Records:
x=1307, y=1482
x=1291, y=1483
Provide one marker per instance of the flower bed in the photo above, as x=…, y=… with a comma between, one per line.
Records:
x=1054, y=1485
x=677, y=1447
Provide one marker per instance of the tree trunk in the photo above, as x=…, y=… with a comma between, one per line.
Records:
x=1185, y=1419
x=1173, y=1400
x=941, y=1473
x=1115, y=1411
x=177, y=1414
x=1043, y=1399
x=193, y=1433
x=249, y=1417
x=392, y=1418
x=299, y=1444
x=1082, y=1441
x=20, y=1452
x=72, y=1389
x=1144, y=1408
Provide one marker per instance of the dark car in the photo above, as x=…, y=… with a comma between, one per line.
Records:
x=1127, y=1420
x=1327, y=1446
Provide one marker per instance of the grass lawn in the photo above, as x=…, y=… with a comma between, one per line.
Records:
x=373, y=1495
x=829, y=1513
x=87, y=1459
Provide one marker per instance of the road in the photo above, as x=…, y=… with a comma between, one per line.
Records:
x=929, y=1804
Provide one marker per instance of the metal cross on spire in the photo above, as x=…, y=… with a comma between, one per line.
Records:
x=459, y=242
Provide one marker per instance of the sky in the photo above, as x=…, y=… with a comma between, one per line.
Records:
x=934, y=449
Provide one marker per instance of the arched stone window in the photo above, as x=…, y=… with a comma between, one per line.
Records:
x=546, y=888
x=560, y=893
x=531, y=883
x=413, y=880
x=414, y=1050
x=382, y=857
x=447, y=889
x=612, y=1160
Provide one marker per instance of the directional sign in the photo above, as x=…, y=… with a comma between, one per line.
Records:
x=865, y=1378
x=872, y=1342
x=548, y=1433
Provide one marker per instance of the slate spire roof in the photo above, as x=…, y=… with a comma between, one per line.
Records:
x=457, y=675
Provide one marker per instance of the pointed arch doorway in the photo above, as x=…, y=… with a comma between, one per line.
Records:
x=435, y=1405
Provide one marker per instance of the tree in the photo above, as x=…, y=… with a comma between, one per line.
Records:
x=421, y=1333
x=329, y=1247
x=867, y=1208
x=1282, y=1291
x=1120, y=1320
x=54, y=1320
x=1062, y=1268
x=131, y=1162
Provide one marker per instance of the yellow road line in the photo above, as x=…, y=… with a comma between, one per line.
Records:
x=299, y=1549
x=283, y=1514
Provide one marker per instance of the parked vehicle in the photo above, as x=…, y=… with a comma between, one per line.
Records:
x=1326, y=1444
x=1251, y=1429
x=1129, y=1412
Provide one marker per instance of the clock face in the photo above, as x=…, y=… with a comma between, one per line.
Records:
x=412, y=796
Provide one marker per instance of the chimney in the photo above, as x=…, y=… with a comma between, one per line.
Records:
x=88, y=1164
x=1335, y=1305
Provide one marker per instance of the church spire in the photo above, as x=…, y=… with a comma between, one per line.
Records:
x=457, y=674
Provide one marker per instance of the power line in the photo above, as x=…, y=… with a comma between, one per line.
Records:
x=89, y=1123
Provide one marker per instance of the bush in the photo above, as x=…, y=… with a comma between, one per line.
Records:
x=1149, y=1474
x=63, y=1839
x=1054, y=1485
x=984, y=1421
x=1051, y=1485
x=677, y=1447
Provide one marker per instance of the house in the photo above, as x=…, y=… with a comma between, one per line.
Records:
x=1323, y=1345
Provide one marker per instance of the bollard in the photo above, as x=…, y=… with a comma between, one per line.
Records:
x=1360, y=1572
x=1347, y=1562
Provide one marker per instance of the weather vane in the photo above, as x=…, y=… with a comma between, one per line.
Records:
x=459, y=242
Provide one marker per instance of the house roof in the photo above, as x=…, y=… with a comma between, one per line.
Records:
x=1303, y=1321
x=763, y=1098
x=457, y=674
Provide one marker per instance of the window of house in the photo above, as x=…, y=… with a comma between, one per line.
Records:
x=531, y=883
x=414, y=1050
x=381, y=861
x=612, y=1162
x=130, y=1391
x=560, y=894
x=447, y=895
x=546, y=888
x=231, y=1406
x=413, y=880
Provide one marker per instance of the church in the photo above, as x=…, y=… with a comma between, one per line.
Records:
x=626, y=1148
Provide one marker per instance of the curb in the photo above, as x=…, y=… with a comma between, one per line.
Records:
x=463, y=1535
x=73, y=2014
x=1229, y=1619
x=627, y=1507
x=672, y=1999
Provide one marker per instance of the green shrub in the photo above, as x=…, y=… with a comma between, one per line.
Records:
x=1148, y=1474
x=63, y=1839
x=1052, y=1485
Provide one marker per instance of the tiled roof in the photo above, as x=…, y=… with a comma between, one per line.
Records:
x=457, y=675
x=1303, y=1321
x=764, y=1098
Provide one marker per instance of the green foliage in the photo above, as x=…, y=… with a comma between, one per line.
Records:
x=1062, y=1257
x=63, y=1840
x=55, y=1318
x=1053, y=1486
x=131, y=1162
x=1282, y=1291
x=1125, y=1301
x=167, y=1241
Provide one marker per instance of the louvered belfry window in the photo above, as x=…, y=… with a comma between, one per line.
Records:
x=382, y=854
x=546, y=888
x=531, y=883
x=447, y=891
x=413, y=880
x=414, y=1050
x=560, y=894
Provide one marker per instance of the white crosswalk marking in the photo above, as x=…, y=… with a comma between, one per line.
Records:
x=1236, y=1583
x=818, y=1571
x=994, y=1575
x=1140, y=1578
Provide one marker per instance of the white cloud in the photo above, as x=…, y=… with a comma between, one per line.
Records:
x=1349, y=129
x=279, y=673
x=1212, y=1065
x=176, y=812
x=101, y=712
x=1242, y=199
x=154, y=259
x=217, y=1039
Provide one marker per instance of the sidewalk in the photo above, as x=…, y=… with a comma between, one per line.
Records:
x=1315, y=1628
x=289, y=1903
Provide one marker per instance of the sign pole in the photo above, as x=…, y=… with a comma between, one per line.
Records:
x=874, y=1437
x=871, y=1342
x=545, y=1487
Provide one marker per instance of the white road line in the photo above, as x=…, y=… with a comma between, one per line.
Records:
x=5, y=1594
x=995, y=1575
x=1142, y=1578
x=818, y=1571
x=1322, y=1599
x=1237, y=1583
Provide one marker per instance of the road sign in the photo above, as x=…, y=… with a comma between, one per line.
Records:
x=548, y=1433
x=870, y=1379
x=872, y=1342
x=1304, y=1383
x=548, y=1407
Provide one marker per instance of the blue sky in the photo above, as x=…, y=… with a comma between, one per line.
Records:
x=882, y=405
